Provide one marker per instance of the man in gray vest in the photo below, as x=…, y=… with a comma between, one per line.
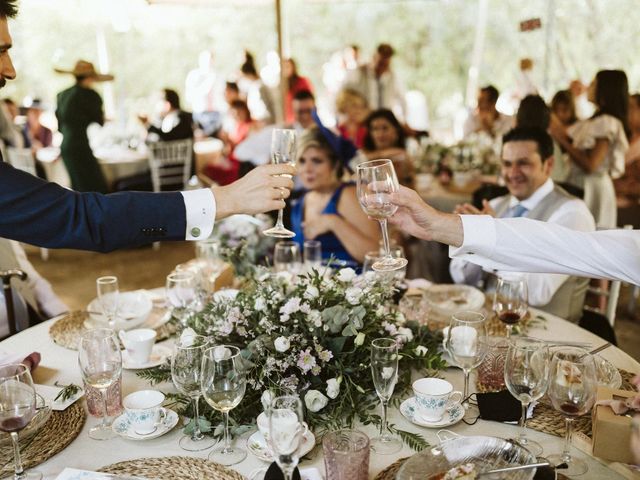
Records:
x=527, y=161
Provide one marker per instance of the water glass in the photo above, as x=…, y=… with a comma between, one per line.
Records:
x=384, y=369
x=491, y=370
x=108, y=293
x=208, y=252
x=181, y=294
x=286, y=257
x=312, y=253
x=286, y=430
x=346, y=455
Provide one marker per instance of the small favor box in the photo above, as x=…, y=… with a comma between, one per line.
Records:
x=611, y=432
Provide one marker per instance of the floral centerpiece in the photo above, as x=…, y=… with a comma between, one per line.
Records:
x=312, y=335
x=476, y=152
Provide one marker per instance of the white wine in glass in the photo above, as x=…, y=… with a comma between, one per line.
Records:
x=283, y=151
x=377, y=180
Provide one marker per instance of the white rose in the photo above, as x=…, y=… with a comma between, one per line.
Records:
x=187, y=337
x=282, y=344
x=353, y=295
x=266, y=399
x=359, y=339
x=346, y=274
x=315, y=318
x=387, y=372
x=333, y=387
x=405, y=333
x=315, y=400
x=421, y=350
x=260, y=304
x=311, y=292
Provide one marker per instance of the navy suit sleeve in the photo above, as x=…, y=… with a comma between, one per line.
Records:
x=47, y=215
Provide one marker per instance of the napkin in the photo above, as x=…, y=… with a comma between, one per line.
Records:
x=75, y=474
x=31, y=360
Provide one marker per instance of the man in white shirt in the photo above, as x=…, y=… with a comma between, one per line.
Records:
x=527, y=161
x=486, y=118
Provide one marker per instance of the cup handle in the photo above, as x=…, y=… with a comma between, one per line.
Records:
x=305, y=428
x=163, y=416
x=452, y=401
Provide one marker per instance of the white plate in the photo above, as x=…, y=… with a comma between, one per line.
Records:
x=137, y=304
x=49, y=393
x=158, y=356
x=453, y=415
x=445, y=300
x=123, y=428
x=258, y=446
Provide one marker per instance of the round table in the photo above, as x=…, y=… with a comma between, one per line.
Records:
x=60, y=364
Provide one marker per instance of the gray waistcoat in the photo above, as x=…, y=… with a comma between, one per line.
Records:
x=569, y=298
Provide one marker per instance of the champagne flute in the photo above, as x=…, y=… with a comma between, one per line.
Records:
x=526, y=375
x=376, y=181
x=186, y=373
x=181, y=294
x=208, y=252
x=223, y=385
x=17, y=408
x=286, y=429
x=101, y=366
x=108, y=293
x=466, y=342
x=286, y=257
x=510, y=301
x=283, y=151
x=572, y=391
x=384, y=369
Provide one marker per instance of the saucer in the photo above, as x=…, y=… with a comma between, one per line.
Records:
x=123, y=428
x=257, y=445
x=158, y=355
x=452, y=416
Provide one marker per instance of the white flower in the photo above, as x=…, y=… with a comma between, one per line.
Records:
x=359, y=339
x=266, y=399
x=292, y=306
x=387, y=372
x=346, y=274
x=405, y=334
x=259, y=304
x=282, y=344
x=333, y=387
x=315, y=400
x=315, y=318
x=311, y=292
x=353, y=295
x=421, y=350
x=221, y=353
x=187, y=337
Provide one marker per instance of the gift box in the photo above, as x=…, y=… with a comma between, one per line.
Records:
x=611, y=433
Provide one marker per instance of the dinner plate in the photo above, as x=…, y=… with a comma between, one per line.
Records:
x=257, y=445
x=133, y=309
x=445, y=300
x=451, y=416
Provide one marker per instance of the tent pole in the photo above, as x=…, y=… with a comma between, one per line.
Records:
x=476, y=56
x=283, y=84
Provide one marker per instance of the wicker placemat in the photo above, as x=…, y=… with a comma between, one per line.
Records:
x=67, y=331
x=391, y=471
x=59, y=431
x=170, y=468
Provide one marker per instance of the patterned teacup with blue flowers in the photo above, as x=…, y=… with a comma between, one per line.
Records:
x=144, y=410
x=433, y=397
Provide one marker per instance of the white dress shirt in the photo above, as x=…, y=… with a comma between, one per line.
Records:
x=200, y=206
x=521, y=244
x=573, y=214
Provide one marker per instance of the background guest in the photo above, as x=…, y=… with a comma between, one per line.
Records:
x=37, y=135
x=259, y=97
x=563, y=108
x=352, y=113
x=486, y=118
x=628, y=186
x=174, y=123
x=304, y=103
x=295, y=83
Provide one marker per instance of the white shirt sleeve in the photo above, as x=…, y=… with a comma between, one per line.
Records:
x=522, y=244
x=200, y=206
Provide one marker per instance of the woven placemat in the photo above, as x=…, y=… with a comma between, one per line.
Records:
x=67, y=331
x=391, y=471
x=170, y=468
x=59, y=431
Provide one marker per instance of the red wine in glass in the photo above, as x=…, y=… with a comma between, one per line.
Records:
x=510, y=318
x=14, y=424
x=570, y=409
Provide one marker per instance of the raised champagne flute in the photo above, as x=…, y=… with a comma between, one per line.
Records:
x=17, y=408
x=223, y=385
x=108, y=294
x=526, y=375
x=384, y=369
x=101, y=366
x=283, y=151
x=572, y=391
x=510, y=300
x=376, y=181
x=286, y=430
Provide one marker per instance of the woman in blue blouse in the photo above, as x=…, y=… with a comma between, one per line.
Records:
x=328, y=210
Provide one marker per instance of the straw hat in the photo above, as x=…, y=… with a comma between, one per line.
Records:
x=84, y=69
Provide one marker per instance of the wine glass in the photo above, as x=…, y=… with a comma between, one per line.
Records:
x=101, y=366
x=376, y=181
x=283, y=151
x=286, y=257
x=526, y=375
x=286, y=429
x=312, y=254
x=572, y=391
x=186, y=373
x=466, y=342
x=108, y=293
x=223, y=385
x=181, y=294
x=17, y=408
x=384, y=369
x=510, y=301
x=208, y=252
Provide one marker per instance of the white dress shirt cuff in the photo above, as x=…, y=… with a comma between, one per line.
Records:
x=479, y=237
x=200, y=206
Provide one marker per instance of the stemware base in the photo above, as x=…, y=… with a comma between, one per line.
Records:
x=388, y=264
x=191, y=445
x=534, y=447
x=31, y=475
x=574, y=466
x=386, y=445
x=101, y=432
x=228, y=456
x=278, y=232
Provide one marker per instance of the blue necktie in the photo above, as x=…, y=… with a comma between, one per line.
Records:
x=517, y=211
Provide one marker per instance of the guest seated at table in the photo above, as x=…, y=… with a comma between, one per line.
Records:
x=304, y=103
x=11, y=134
x=486, y=118
x=385, y=138
x=328, y=209
x=36, y=135
x=173, y=124
x=295, y=83
x=352, y=113
x=527, y=162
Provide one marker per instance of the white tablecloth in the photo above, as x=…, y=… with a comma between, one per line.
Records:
x=61, y=364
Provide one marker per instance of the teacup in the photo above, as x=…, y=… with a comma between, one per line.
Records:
x=144, y=410
x=263, y=426
x=433, y=397
x=138, y=343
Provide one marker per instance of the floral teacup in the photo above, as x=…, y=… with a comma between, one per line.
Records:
x=433, y=397
x=144, y=410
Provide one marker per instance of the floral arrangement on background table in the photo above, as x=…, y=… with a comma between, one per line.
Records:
x=312, y=335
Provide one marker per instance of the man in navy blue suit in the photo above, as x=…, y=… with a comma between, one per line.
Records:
x=47, y=215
